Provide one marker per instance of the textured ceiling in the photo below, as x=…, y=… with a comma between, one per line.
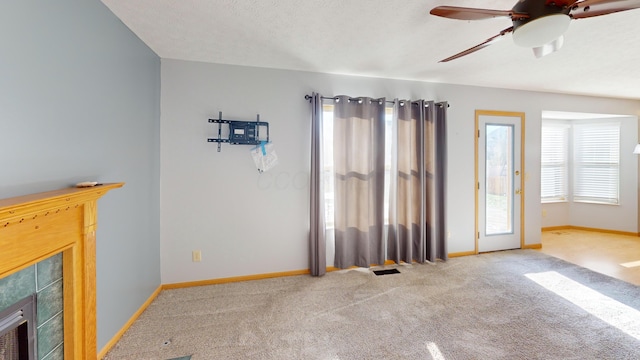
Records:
x=390, y=39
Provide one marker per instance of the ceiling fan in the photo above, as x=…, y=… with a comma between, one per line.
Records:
x=537, y=24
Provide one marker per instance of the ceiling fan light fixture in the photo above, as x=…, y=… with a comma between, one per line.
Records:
x=541, y=31
x=549, y=48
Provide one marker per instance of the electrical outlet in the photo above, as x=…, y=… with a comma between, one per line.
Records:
x=196, y=256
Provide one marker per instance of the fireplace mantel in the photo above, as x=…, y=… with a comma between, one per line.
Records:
x=37, y=226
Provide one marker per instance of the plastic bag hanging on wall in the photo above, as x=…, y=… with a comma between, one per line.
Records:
x=264, y=156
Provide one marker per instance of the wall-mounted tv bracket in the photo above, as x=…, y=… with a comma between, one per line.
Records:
x=240, y=132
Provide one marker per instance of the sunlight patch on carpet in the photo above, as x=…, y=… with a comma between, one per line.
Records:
x=434, y=351
x=615, y=313
x=631, y=264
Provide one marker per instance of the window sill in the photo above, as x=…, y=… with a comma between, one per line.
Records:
x=595, y=202
x=553, y=201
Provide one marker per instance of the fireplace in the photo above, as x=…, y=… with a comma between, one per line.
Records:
x=58, y=226
x=18, y=330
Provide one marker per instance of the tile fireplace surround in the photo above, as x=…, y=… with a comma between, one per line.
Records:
x=38, y=226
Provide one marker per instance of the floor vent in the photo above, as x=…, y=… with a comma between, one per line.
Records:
x=386, y=272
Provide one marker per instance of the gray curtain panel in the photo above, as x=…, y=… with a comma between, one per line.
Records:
x=436, y=160
x=358, y=148
x=317, y=234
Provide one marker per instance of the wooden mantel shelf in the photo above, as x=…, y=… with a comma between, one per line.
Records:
x=37, y=226
x=72, y=195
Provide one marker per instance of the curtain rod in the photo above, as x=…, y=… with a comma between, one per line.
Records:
x=308, y=98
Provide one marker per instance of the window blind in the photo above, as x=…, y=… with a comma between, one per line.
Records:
x=596, y=162
x=554, y=165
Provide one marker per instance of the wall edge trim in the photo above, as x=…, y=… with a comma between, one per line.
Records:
x=608, y=231
x=462, y=253
x=234, y=279
x=532, y=246
x=114, y=340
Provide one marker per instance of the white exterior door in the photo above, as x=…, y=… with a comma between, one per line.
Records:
x=499, y=175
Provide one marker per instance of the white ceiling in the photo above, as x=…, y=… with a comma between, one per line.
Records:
x=390, y=39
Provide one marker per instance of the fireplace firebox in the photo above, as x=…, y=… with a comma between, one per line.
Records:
x=18, y=330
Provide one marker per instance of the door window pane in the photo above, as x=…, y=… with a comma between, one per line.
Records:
x=499, y=179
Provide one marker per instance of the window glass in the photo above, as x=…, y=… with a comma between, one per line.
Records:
x=596, y=162
x=327, y=121
x=554, y=160
x=589, y=151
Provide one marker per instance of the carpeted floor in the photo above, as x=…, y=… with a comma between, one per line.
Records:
x=474, y=307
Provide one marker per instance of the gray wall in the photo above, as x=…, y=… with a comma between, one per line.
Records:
x=80, y=100
x=247, y=223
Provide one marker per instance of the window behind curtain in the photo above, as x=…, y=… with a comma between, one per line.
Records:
x=327, y=118
x=596, y=162
x=554, y=159
x=327, y=136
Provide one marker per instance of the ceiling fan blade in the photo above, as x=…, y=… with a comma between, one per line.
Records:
x=549, y=48
x=590, y=8
x=480, y=46
x=463, y=13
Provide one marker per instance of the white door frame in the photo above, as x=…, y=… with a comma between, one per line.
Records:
x=518, y=185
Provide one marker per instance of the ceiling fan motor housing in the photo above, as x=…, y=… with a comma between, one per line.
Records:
x=546, y=22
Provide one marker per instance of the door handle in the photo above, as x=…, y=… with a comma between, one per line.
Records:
x=519, y=191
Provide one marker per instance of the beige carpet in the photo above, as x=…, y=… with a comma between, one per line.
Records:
x=475, y=307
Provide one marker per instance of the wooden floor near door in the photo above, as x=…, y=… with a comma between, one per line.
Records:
x=612, y=254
